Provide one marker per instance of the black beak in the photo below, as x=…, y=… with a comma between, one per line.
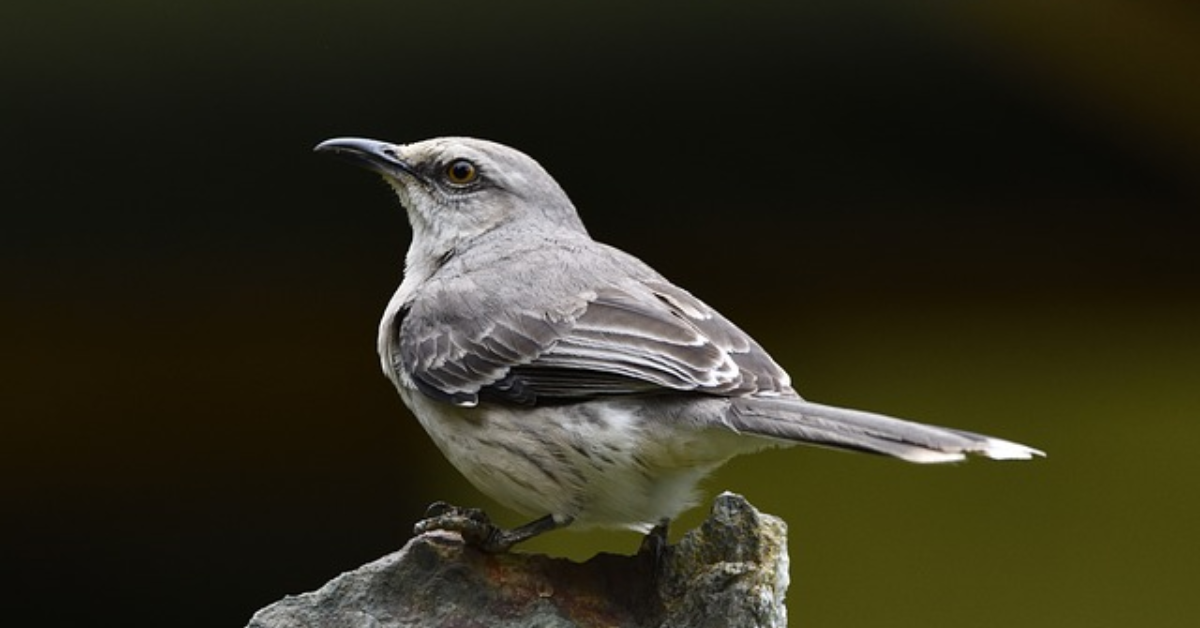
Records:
x=370, y=154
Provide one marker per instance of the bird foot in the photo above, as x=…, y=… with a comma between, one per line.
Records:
x=654, y=547
x=477, y=530
x=472, y=524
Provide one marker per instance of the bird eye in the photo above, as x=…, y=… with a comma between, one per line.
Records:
x=461, y=172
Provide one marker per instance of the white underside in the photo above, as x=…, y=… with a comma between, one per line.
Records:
x=599, y=463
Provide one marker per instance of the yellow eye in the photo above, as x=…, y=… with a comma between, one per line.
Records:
x=461, y=172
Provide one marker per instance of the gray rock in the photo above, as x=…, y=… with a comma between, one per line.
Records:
x=732, y=571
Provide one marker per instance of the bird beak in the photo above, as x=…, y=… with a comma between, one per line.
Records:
x=380, y=157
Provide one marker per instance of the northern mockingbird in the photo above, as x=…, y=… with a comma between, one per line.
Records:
x=567, y=379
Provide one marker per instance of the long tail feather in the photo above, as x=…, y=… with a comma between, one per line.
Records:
x=804, y=421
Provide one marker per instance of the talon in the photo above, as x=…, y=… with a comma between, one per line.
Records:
x=477, y=530
x=472, y=524
x=437, y=509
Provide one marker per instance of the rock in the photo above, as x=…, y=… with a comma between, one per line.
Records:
x=730, y=572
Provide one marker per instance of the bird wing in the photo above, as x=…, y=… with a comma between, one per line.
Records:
x=642, y=336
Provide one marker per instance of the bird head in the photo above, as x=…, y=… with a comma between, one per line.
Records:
x=456, y=189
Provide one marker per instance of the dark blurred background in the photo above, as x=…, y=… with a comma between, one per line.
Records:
x=981, y=214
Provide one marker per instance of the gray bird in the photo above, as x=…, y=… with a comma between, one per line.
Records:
x=566, y=378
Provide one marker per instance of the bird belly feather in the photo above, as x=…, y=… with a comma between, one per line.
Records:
x=612, y=463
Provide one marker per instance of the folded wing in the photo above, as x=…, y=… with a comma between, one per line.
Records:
x=636, y=338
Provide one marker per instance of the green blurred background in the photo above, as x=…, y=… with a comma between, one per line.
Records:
x=981, y=214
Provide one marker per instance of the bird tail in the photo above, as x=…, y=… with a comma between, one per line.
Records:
x=797, y=420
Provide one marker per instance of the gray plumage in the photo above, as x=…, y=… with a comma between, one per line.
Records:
x=565, y=377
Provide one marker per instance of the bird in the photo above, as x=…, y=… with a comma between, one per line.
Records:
x=567, y=379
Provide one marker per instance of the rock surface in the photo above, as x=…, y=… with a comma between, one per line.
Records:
x=732, y=571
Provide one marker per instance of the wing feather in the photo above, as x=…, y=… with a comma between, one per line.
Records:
x=639, y=337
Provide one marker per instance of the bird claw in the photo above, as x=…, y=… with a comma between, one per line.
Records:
x=441, y=509
x=655, y=546
x=472, y=524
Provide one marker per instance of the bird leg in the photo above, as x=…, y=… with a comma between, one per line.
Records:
x=654, y=544
x=477, y=530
